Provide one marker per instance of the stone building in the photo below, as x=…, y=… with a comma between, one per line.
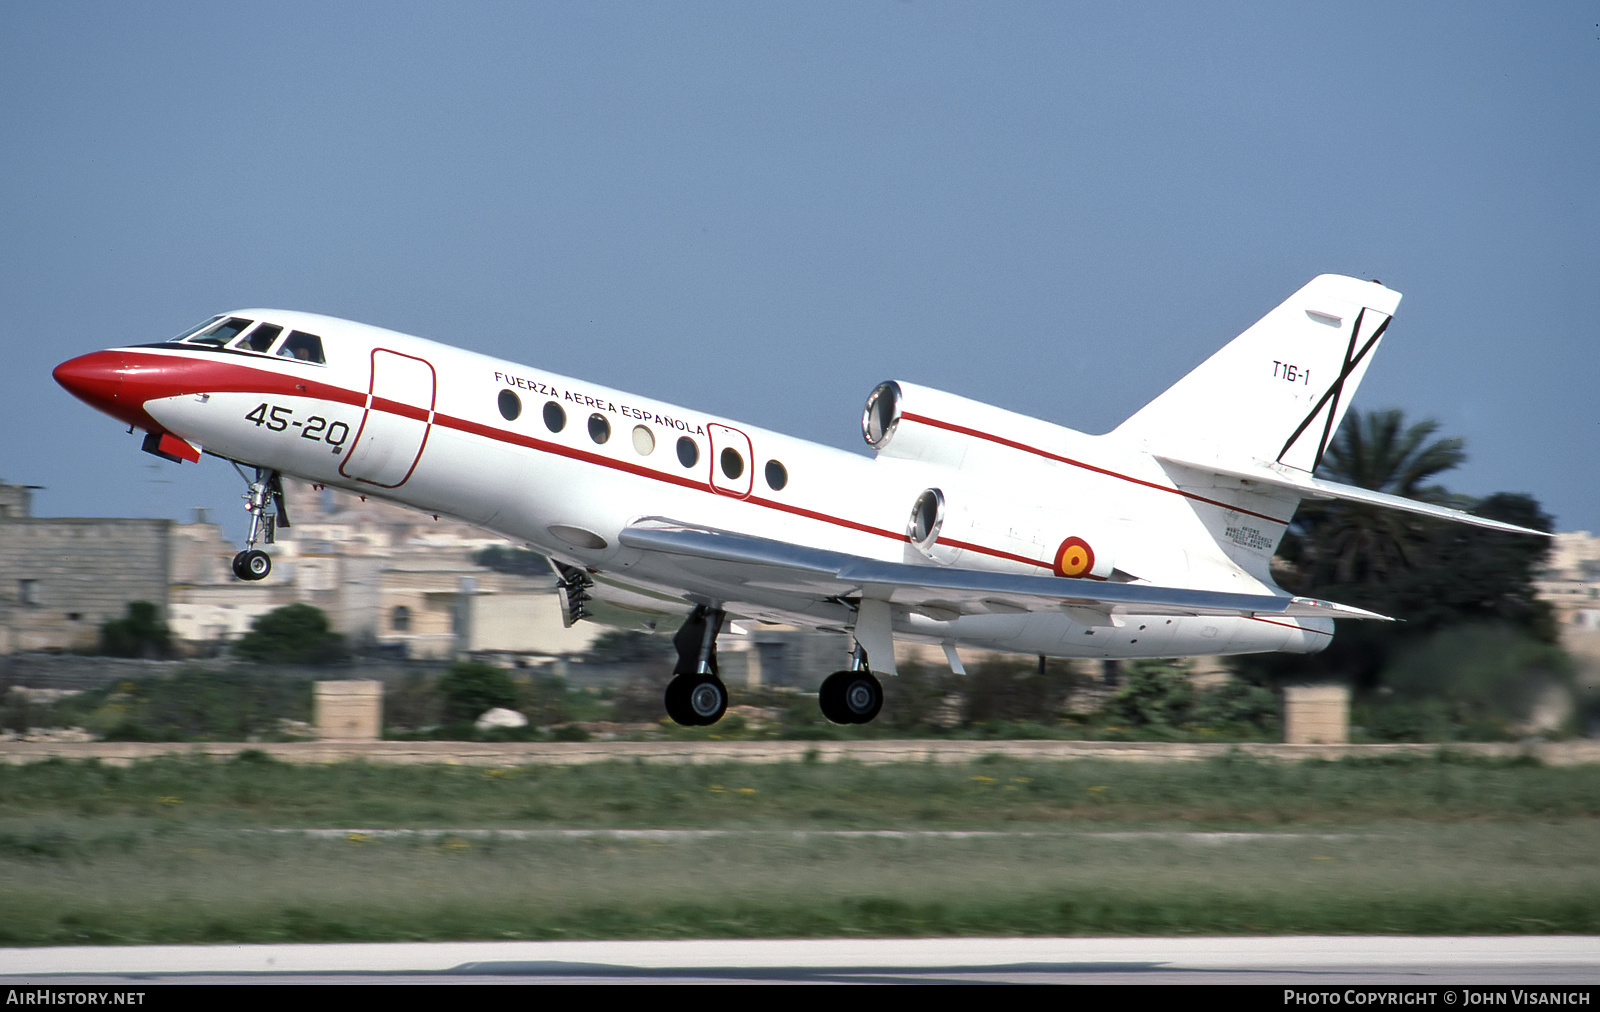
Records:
x=62, y=577
x=1570, y=582
x=384, y=575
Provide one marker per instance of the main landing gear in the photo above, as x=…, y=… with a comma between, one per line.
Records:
x=696, y=697
x=267, y=514
x=854, y=696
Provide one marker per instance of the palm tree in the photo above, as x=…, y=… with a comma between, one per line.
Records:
x=1352, y=543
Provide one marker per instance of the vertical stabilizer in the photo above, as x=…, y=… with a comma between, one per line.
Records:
x=1276, y=393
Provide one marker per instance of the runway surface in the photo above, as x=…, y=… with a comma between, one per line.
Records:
x=1306, y=961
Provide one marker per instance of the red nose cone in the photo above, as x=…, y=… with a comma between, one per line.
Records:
x=95, y=378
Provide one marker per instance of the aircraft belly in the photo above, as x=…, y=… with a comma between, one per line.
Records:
x=1137, y=636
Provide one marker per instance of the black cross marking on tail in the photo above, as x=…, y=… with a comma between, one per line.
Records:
x=1352, y=358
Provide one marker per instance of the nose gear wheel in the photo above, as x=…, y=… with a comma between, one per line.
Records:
x=252, y=564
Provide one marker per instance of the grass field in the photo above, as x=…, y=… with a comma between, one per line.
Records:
x=194, y=850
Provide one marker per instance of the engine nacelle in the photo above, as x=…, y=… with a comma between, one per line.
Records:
x=910, y=422
x=989, y=533
x=968, y=517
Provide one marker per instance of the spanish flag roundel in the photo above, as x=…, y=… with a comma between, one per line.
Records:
x=1074, y=558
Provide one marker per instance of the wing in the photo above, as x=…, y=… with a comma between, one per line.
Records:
x=946, y=592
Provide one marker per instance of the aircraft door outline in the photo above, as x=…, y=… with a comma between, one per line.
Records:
x=397, y=421
x=732, y=461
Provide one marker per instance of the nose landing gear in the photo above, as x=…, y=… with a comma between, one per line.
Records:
x=265, y=502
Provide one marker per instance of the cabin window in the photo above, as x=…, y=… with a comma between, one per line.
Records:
x=400, y=618
x=688, y=452
x=732, y=463
x=599, y=428
x=777, y=475
x=303, y=348
x=555, y=417
x=510, y=405
x=644, y=440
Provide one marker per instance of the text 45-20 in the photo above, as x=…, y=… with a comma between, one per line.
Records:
x=316, y=428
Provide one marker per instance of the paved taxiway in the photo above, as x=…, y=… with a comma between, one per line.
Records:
x=1298, y=961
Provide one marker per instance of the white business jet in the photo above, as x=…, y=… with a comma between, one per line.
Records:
x=972, y=525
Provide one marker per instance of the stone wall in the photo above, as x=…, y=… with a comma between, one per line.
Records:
x=61, y=578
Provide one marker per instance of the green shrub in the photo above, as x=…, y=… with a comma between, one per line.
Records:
x=139, y=633
x=1236, y=704
x=1154, y=693
x=1010, y=690
x=196, y=704
x=1479, y=680
x=293, y=634
x=471, y=687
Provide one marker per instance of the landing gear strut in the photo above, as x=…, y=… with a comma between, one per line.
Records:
x=854, y=696
x=696, y=697
x=267, y=514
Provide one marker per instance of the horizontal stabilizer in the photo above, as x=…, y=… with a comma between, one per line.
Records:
x=1308, y=487
x=941, y=589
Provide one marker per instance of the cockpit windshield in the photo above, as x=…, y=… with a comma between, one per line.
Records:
x=217, y=334
x=195, y=330
x=238, y=334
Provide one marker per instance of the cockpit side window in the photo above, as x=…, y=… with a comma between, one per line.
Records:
x=219, y=334
x=302, y=346
x=260, y=339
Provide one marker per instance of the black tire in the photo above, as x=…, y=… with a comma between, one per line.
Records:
x=677, y=701
x=830, y=697
x=252, y=565
x=850, y=697
x=696, y=700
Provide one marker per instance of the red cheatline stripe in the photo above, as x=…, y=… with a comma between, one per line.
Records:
x=400, y=408
x=545, y=446
x=1025, y=448
x=1298, y=628
x=197, y=373
x=230, y=377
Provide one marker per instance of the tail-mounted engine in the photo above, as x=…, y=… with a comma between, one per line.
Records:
x=986, y=533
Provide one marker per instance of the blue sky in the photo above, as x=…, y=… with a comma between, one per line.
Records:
x=763, y=209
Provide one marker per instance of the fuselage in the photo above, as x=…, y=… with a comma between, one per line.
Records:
x=566, y=465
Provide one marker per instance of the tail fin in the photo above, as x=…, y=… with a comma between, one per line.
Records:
x=1277, y=392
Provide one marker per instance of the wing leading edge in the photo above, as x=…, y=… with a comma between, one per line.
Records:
x=953, y=591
